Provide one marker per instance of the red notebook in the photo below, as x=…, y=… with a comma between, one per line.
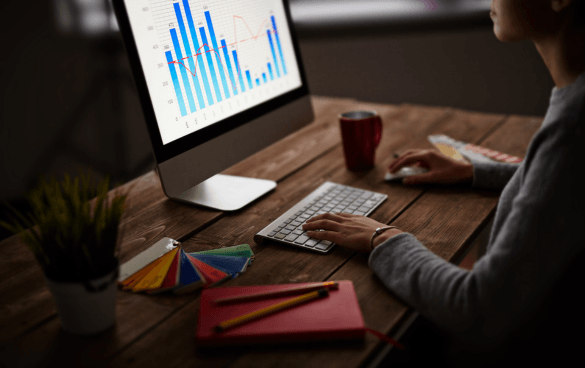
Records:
x=337, y=316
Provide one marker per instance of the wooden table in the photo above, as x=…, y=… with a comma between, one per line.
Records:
x=158, y=330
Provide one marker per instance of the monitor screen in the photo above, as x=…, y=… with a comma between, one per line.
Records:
x=205, y=62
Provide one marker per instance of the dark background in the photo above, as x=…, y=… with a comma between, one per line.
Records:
x=69, y=103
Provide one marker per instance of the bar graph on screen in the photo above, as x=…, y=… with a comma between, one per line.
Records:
x=213, y=59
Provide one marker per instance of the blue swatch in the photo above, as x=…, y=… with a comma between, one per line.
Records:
x=189, y=274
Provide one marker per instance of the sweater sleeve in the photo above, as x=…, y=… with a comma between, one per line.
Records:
x=492, y=175
x=539, y=237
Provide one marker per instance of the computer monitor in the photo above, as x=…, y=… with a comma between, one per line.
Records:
x=218, y=81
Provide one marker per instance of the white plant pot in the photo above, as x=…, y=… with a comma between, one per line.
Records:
x=86, y=308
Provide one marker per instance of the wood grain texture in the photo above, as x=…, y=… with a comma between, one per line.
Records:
x=382, y=310
x=514, y=136
x=160, y=217
x=159, y=330
x=274, y=263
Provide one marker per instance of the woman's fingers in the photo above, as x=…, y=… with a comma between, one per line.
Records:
x=397, y=162
x=322, y=225
x=332, y=236
x=326, y=216
x=422, y=156
x=345, y=215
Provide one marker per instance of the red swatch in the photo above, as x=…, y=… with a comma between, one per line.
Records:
x=211, y=274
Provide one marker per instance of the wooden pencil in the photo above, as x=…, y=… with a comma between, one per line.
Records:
x=277, y=293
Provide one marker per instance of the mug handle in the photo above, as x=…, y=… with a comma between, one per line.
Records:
x=377, y=130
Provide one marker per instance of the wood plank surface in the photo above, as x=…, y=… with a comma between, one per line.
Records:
x=444, y=220
x=159, y=329
x=159, y=217
x=381, y=310
x=177, y=220
x=274, y=264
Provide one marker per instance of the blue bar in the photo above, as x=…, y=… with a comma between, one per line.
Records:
x=183, y=70
x=239, y=70
x=175, y=79
x=189, y=55
x=278, y=43
x=257, y=81
x=200, y=64
x=226, y=91
x=273, y=54
x=229, y=66
x=249, y=79
x=210, y=63
x=270, y=71
x=264, y=77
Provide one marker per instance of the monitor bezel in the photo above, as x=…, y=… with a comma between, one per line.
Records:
x=165, y=152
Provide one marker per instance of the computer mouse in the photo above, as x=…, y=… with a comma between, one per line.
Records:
x=404, y=172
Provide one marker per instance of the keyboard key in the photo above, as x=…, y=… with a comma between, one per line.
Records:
x=295, y=223
x=285, y=231
x=298, y=232
x=301, y=239
x=311, y=242
x=272, y=233
x=359, y=213
x=322, y=246
x=290, y=227
x=280, y=236
x=291, y=237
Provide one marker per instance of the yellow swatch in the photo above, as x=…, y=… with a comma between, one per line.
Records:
x=131, y=281
x=158, y=273
x=162, y=273
x=449, y=150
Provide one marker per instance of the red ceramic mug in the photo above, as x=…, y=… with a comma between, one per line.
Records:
x=361, y=132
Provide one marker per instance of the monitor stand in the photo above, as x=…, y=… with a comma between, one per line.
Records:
x=227, y=192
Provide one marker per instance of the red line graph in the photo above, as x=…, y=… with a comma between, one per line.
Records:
x=236, y=42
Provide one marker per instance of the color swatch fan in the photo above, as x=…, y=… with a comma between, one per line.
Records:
x=166, y=267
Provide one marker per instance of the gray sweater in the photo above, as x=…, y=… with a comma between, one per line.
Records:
x=530, y=280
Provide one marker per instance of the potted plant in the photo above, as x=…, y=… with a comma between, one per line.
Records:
x=74, y=239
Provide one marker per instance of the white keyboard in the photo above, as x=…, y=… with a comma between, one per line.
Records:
x=329, y=197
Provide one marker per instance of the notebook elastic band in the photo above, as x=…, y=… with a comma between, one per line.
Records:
x=385, y=338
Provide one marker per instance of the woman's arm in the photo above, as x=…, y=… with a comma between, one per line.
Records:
x=446, y=170
x=528, y=253
x=492, y=175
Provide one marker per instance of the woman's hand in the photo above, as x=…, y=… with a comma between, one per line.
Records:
x=442, y=169
x=351, y=231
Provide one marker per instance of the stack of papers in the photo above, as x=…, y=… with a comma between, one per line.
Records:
x=179, y=272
